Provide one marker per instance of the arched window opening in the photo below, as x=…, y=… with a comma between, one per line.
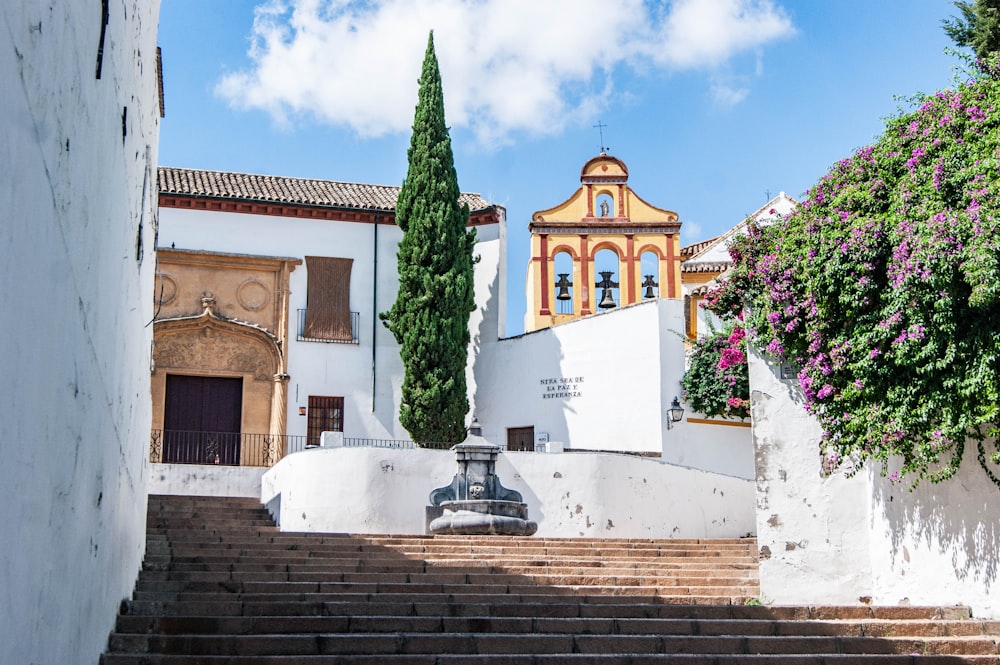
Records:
x=564, y=283
x=649, y=264
x=607, y=268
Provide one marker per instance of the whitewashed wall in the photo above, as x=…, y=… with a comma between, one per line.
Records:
x=76, y=263
x=724, y=449
x=205, y=480
x=370, y=490
x=863, y=539
x=599, y=383
x=370, y=385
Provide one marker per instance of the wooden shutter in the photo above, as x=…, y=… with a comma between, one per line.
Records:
x=328, y=299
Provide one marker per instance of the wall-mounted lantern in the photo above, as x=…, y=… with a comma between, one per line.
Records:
x=675, y=412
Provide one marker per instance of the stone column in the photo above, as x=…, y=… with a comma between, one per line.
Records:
x=279, y=408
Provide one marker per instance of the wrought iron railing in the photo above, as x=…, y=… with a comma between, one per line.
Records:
x=223, y=448
x=301, y=336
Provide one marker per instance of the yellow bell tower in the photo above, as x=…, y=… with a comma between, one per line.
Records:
x=603, y=247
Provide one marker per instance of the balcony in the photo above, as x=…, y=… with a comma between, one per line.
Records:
x=222, y=448
x=352, y=338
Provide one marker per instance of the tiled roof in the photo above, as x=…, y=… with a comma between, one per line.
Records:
x=705, y=267
x=691, y=250
x=280, y=189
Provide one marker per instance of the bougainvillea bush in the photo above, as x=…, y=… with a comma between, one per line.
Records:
x=716, y=382
x=884, y=288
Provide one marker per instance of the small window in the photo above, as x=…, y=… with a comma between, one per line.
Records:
x=326, y=414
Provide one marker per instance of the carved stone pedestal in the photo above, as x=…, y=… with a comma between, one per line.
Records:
x=475, y=503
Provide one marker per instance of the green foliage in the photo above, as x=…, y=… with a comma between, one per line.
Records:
x=884, y=288
x=977, y=28
x=717, y=382
x=430, y=318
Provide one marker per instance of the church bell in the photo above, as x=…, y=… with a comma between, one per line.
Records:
x=563, y=285
x=607, y=300
x=649, y=284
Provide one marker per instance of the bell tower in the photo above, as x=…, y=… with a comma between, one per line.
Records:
x=602, y=248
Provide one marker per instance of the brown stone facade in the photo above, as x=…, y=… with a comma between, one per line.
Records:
x=224, y=315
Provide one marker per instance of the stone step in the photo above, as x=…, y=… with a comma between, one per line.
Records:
x=554, y=659
x=220, y=584
x=474, y=643
x=270, y=539
x=544, y=606
x=394, y=623
x=333, y=591
x=561, y=577
x=164, y=565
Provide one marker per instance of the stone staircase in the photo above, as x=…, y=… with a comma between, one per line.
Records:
x=221, y=584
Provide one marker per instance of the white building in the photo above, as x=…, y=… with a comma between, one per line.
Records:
x=594, y=383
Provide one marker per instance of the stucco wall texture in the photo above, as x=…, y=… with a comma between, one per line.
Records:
x=862, y=539
x=78, y=191
x=571, y=495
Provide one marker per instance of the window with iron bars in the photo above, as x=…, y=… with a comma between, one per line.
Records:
x=325, y=414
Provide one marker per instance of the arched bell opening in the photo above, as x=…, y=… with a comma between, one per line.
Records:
x=607, y=271
x=563, y=286
x=649, y=264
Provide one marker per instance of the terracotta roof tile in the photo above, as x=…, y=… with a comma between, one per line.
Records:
x=691, y=250
x=719, y=266
x=280, y=189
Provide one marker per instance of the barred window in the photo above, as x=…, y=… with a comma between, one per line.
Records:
x=326, y=414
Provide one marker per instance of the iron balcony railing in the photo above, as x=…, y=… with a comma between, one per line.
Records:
x=223, y=448
x=300, y=336
x=243, y=449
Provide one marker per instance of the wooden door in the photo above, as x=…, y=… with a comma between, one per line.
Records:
x=521, y=438
x=201, y=419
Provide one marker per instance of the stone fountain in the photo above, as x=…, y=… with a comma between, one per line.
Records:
x=475, y=503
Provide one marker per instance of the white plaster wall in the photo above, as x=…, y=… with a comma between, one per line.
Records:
x=939, y=544
x=627, y=360
x=78, y=200
x=721, y=448
x=839, y=539
x=370, y=490
x=370, y=385
x=205, y=480
x=812, y=531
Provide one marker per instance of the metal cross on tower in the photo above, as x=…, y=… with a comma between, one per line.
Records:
x=600, y=127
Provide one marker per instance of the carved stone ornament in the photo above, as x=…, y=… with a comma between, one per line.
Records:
x=252, y=295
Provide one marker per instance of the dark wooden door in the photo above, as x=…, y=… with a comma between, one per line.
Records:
x=201, y=419
x=521, y=438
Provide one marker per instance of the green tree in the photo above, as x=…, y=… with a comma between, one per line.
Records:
x=884, y=288
x=977, y=28
x=430, y=318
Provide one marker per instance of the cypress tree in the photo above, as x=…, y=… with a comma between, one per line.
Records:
x=430, y=318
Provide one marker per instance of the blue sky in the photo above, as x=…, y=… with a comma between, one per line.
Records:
x=712, y=104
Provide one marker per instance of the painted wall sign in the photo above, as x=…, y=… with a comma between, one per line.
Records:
x=561, y=387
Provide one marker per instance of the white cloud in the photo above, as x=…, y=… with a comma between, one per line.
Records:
x=508, y=65
x=726, y=95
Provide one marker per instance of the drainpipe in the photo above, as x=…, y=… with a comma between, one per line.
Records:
x=374, y=303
